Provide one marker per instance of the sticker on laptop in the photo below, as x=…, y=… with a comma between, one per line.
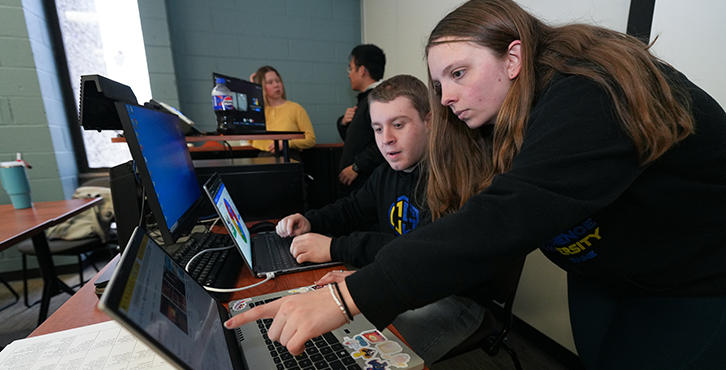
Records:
x=241, y=304
x=377, y=364
x=355, y=343
x=389, y=347
x=374, y=336
x=302, y=289
x=364, y=353
x=399, y=360
x=305, y=289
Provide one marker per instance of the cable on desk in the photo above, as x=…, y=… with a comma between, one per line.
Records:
x=228, y=148
x=213, y=220
x=151, y=230
x=268, y=276
x=143, y=199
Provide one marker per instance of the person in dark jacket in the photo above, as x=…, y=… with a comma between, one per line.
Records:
x=602, y=156
x=360, y=155
x=394, y=198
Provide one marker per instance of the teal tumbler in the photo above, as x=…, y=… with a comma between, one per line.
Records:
x=15, y=182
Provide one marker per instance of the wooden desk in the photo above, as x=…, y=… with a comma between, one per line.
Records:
x=283, y=136
x=20, y=224
x=81, y=310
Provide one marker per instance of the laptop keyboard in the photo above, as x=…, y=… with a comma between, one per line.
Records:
x=323, y=352
x=279, y=249
x=207, y=268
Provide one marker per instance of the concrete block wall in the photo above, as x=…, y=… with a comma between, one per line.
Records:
x=55, y=115
x=162, y=76
x=32, y=119
x=308, y=42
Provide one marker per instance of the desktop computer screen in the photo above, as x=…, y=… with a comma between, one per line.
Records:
x=165, y=167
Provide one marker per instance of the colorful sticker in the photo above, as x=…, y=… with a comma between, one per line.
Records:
x=375, y=364
x=364, y=353
x=352, y=343
x=361, y=341
x=241, y=304
x=305, y=289
x=374, y=336
x=389, y=347
x=302, y=289
x=399, y=360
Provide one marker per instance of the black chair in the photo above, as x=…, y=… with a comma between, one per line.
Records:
x=498, y=298
x=81, y=248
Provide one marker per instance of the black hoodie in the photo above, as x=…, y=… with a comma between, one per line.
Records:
x=576, y=191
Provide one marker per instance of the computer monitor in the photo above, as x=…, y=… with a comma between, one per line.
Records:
x=98, y=95
x=165, y=167
x=249, y=104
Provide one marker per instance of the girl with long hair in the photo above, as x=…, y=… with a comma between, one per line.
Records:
x=578, y=141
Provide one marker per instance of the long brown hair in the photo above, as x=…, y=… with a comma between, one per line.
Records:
x=260, y=79
x=652, y=109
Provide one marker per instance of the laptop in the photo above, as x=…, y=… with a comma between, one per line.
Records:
x=263, y=253
x=162, y=305
x=249, y=105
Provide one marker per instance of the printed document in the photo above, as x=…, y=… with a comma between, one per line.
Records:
x=100, y=346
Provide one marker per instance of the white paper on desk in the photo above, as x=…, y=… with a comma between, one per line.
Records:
x=100, y=346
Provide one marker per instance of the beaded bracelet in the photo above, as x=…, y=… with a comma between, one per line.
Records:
x=342, y=309
x=343, y=300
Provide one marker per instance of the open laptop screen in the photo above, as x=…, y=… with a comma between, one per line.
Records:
x=249, y=103
x=227, y=210
x=169, y=306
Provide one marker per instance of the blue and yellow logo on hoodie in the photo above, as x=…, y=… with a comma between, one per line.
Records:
x=403, y=216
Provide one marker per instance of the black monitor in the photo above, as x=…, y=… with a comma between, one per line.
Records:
x=249, y=104
x=98, y=95
x=159, y=149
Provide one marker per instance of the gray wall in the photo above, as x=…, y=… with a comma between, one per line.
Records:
x=31, y=112
x=32, y=119
x=155, y=28
x=308, y=42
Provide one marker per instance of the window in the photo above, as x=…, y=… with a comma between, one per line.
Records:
x=104, y=37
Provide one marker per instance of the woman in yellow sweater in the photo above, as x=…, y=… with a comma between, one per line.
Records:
x=282, y=114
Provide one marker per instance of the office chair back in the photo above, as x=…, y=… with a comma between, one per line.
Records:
x=79, y=236
x=497, y=295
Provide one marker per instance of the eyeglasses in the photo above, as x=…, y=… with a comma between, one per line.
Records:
x=356, y=68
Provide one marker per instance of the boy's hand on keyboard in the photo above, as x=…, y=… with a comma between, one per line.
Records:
x=299, y=318
x=293, y=225
x=311, y=247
